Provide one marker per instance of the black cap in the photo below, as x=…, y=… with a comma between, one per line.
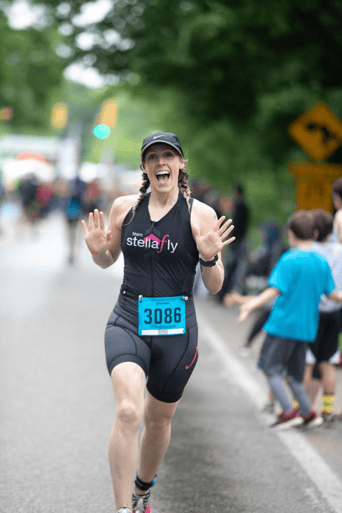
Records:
x=162, y=137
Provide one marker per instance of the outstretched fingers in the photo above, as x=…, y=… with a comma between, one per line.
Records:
x=97, y=219
x=102, y=221
x=229, y=241
x=84, y=226
x=91, y=222
x=220, y=224
x=227, y=230
x=224, y=229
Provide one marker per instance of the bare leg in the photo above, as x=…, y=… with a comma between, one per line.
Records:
x=312, y=386
x=155, y=438
x=271, y=397
x=128, y=381
x=329, y=377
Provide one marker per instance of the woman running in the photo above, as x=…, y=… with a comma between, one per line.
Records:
x=151, y=335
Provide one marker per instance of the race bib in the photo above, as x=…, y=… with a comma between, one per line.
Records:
x=161, y=315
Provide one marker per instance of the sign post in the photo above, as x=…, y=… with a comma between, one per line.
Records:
x=314, y=184
x=319, y=132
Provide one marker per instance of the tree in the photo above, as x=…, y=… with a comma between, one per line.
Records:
x=30, y=72
x=256, y=65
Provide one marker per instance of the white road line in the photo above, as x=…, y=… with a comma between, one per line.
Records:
x=325, y=479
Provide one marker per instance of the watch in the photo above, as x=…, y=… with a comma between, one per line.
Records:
x=209, y=264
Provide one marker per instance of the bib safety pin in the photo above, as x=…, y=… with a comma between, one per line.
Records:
x=140, y=297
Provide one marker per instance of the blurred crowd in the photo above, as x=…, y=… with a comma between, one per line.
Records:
x=38, y=199
x=74, y=198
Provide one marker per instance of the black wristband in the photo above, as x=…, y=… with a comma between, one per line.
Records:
x=209, y=264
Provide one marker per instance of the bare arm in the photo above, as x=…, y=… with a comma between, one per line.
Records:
x=336, y=295
x=210, y=234
x=234, y=298
x=256, y=302
x=213, y=276
x=105, y=245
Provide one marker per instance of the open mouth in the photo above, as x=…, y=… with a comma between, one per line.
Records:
x=163, y=176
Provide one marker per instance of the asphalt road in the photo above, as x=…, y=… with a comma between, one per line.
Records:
x=57, y=406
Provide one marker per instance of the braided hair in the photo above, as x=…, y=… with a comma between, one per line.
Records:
x=182, y=185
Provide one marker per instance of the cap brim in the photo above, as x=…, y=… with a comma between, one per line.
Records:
x=160, y=141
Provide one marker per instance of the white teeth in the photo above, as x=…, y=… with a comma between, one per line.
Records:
x=163, y=173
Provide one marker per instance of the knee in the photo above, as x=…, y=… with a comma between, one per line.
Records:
x=129, y=414
x=158, y=422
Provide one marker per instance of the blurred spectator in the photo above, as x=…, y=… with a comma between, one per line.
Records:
x=74, y=211
x=213, y=199
x=271, y=250
x=269, y=254
x=226, y=205
x=27, y=189
x=44, y=199
x=201, y=191
x=235, y=268
x=199, y=188
x=324, y=352
x=93, y=197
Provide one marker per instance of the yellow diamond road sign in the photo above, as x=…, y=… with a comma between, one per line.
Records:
x=314, y=183
x=318, y=131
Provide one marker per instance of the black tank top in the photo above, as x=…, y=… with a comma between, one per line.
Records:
x=160, y=257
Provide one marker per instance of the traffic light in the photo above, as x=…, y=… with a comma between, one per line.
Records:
x=106, y=119
x=59, y=115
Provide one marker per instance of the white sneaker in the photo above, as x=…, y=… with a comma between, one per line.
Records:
x=287, y=420
x=312, y=420
x=140, y=503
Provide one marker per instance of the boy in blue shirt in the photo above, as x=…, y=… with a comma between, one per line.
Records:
x=297, y=282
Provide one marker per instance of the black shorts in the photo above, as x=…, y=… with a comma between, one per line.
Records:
x=168, y=361
x=284, y=357
x=326, y=343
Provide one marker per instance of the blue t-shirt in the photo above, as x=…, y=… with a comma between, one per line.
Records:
x=301, y=278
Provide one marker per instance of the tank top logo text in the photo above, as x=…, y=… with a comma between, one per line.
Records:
x=152, y=241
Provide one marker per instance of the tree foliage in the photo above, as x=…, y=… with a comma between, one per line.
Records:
x=250, y=63
x=30, y=71
x=228, y=76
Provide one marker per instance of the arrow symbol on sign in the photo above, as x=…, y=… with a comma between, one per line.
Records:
x=327, y=136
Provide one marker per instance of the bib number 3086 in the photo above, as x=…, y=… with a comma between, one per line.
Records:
x=161, y=316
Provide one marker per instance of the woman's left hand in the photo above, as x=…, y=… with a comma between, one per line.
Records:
x=212, y=243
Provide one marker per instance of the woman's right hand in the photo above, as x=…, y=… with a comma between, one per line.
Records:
x=96, y=236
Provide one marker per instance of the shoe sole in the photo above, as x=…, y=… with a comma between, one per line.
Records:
x=298, y=421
